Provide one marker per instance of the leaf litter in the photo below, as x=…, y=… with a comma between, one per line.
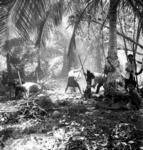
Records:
x=58, y=121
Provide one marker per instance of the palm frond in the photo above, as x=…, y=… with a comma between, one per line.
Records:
x=56, y=12
x=7, y=3
x=68, y=7
x=27, y=14
x=9, y=44
x=72, y=44
x=3, y=25
x=52, y=18
x=137, y=7
x=37, y=14
x=5, y=8
x=76, y=19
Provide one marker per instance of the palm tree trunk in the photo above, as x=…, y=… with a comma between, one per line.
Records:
x=65, y=68
x=111, y=86
x=38, y=70
x=98, y=55
x=70, y=56
x=112, y=52
x=8, y=65
x=9, y=69
x=8, y=60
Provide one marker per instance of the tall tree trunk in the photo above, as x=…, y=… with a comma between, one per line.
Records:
x=9, y=69
x=111, y=86
x=8, y=65
x=65, y=67
x=38, y=70
x=70, y=57
x=98, y=55
x=112, y=52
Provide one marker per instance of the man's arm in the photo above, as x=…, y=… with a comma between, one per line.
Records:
x=112, y=67
x=141, y=70
x=127, y=68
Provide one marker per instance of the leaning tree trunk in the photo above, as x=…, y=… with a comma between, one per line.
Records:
x=70, y=58
x=8, y=60
x=112, y=52
x=38, y=70
x=65, y=67
x=8, y=65
x=111, y=86
x=98, y=55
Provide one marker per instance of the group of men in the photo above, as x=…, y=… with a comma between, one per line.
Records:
x=128, y=81
x=99, y=80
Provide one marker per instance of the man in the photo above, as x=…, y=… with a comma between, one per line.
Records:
x=130, y=71
x=72, y=80
x=138, y=73
x=30, y=88
x=108, y=66
x=109, y=77
x=25, y=89
x=100, y=78
x=89, y=77
x=134, y=97
x=141, y=69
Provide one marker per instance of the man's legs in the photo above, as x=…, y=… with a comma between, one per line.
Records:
x=98, y=87
x=69, y=83
x=126, y=83
x=79, y=88
x=87, y=92
x=66, y=88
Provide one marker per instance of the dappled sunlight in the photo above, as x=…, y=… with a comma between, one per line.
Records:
x=67, y=81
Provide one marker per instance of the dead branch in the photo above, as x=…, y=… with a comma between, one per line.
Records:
x=124, y=36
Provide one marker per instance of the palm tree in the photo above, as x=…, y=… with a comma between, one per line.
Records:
x=112, y=50
x=31, y=15
x=7, y=47
x=28, y=15
x=87, y=13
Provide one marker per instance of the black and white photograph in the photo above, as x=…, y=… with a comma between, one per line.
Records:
x=71, y=74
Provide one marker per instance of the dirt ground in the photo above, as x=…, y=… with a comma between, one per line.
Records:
x=54, y=120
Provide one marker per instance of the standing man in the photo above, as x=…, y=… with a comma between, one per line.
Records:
x=141, y=69
x=108, y=68
x=113, y=78
x=130, y=71
x=89, y=77
x=138, y=73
